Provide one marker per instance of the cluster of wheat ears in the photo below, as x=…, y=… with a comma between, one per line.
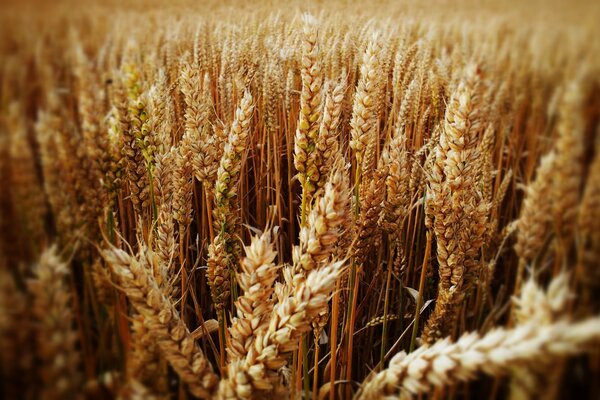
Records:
x=323, y=201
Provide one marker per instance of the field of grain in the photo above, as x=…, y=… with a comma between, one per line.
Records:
x=305, y=200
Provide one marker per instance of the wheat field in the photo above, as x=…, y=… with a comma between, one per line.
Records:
x=305, y=200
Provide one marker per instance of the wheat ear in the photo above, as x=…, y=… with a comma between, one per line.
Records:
x=567, y=177
x=534, y=305
x=310, y=108
x=254, y=306
x=224, y=248
x=588, y=224
x=364, y=112
x=163, y=322
x=459, y=211
x=494, y=353
x=56, y=334
x=535, y=216
x=256, y=374
x=230, y=165
x=325, y=222
x=327, y=145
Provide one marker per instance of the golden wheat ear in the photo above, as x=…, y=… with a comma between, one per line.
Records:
x=305, y=157
x=56, y=337
x=256, y=374
x=495, y=353
x=162, y=321
x=256, y=279
x=457, y=203
x=206, y=167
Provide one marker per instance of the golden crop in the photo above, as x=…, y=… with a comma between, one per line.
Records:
x=317, y=200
